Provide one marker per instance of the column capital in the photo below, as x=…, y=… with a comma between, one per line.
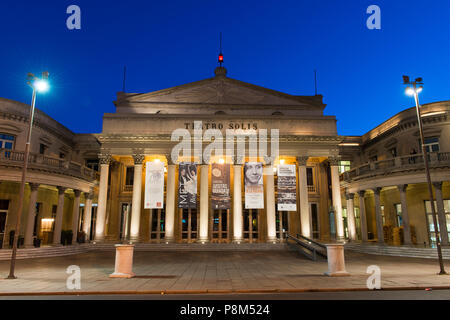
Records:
x=34, y=186
x=301, y=160
x=169, y=159
x=237, y=160
x=138, y=157
x=334, y=160
x=77, y=193
x=349, y=196
x=438, y=185
x=377, y=190
x=361, y=193
x=61, y=190
x=402, y=187
x=268, y=160
x=104, y=158
x=89, y=195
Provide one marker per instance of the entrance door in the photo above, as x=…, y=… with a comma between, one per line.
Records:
x=251, y=225
x=188, y=225
x=93, y=222
x=125, y=217
x=4, y=204
x=157, y=224
x=220, y=226
x=282, y=223
x=315, y=225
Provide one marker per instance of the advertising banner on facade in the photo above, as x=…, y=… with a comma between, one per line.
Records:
x=287, y=193
x=187, y=186
x=254, y=189
x=154, y=185
x=220, y=186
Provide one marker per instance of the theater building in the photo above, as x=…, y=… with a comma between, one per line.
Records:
x=98, y=185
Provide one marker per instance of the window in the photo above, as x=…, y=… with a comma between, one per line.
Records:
x=398, y=214
x=432, y=144
x=344, y=166
x=393, y=152
x=92, y=164
x=430, y=218
x=62, y=155
x=129, y=176
x=309, y=177
x=42, y=148
x=374, y=158
x=6, y=141
x=382, y=215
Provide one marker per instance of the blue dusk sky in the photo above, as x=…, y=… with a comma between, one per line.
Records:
x=274, y=44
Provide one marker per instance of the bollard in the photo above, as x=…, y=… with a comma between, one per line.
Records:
x=336, y=261
x=124, y=261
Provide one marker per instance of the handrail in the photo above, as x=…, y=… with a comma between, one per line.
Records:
x=41, y=161
x=313, y=251
x=400, y=162
x=312, y=241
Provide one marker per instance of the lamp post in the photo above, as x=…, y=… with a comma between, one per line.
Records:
x=413, y=90
x=38, y=85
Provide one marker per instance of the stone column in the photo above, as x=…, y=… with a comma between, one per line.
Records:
x=305, y=221
x=105, y=160
x=405, y=215
x=87, y=214
x=137, y=196
x=441, y=213
x=237, y=201
x=351, y=215
x=31, y=215
x=270, y=198
x=75, y=215
x=204, y=203
x=170, y=200
x=378, y=216
x=59, y=217
x=336, y=195
x=362, y=213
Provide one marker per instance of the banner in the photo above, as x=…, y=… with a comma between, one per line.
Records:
x=220, y=186
x=154, y=185
x=287, y=193
x=187, y=185
x=254, y=189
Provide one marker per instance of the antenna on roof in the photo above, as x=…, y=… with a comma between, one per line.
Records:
x=124, y=78
x=315, y=82
x=220, y=54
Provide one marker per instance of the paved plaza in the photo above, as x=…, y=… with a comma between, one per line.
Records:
x=217, y=272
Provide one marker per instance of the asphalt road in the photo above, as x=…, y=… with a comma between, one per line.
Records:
x=347, y=295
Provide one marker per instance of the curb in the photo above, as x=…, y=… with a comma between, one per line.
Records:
x=212, y=291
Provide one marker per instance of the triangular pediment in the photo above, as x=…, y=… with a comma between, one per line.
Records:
x=220, y=90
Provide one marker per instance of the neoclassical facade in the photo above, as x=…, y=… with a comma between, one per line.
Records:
x=346, y=187
x=140, y=131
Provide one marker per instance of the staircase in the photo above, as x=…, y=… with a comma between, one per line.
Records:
x=398, y=251
x=44, y=252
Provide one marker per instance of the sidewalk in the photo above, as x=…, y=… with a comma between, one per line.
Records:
x=218, y=272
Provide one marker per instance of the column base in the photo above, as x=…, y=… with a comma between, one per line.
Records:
x=237, y=241
x=203, y=241
x=168, y=240
x=272, y=240
x=122, y=275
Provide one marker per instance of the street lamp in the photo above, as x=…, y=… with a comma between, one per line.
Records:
x=413, y=89
x=38, y=85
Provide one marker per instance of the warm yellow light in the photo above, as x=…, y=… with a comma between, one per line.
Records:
x=221, y=161
x=47, y=225
x=282, y=161
x=156, y=160
x=274, y=169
